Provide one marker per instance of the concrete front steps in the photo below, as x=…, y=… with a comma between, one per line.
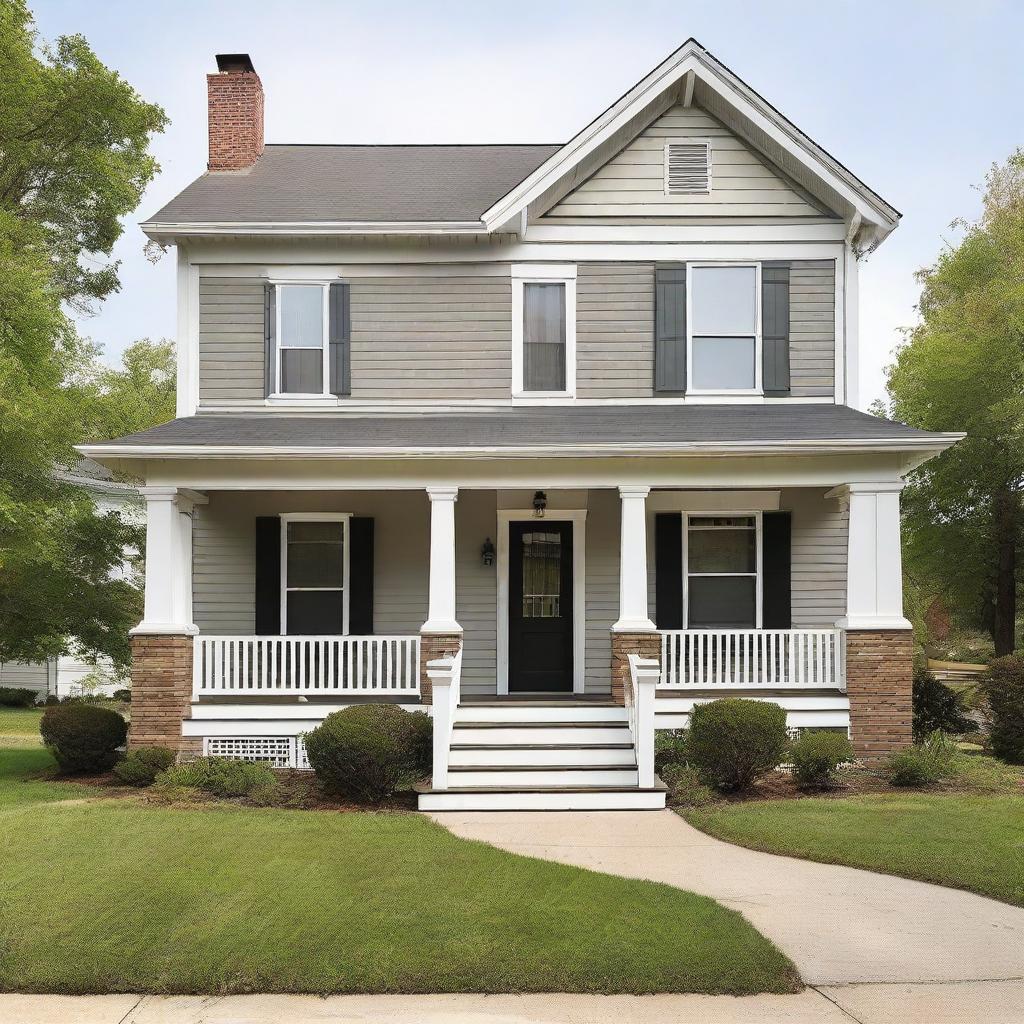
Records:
x=541, y=755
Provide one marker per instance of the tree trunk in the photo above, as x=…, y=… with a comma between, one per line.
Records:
x=1006, y=509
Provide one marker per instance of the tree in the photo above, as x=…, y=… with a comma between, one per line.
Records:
x=74, y=140
x=962, y=369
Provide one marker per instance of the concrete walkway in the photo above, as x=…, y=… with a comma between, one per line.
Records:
x=968, y=1003
x=838, y=925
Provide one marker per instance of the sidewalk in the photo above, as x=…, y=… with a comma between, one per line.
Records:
x=954, y=1003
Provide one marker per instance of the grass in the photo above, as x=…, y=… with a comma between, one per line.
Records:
x=19, y=727
x=966, y=841
x=104, y=895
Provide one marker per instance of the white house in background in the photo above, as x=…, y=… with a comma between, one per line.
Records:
x=550, y=441
x=67, y=675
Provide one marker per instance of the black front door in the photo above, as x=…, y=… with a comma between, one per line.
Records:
x=540, y=607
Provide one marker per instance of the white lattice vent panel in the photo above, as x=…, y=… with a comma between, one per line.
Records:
x=277, y=751
x=301, y=760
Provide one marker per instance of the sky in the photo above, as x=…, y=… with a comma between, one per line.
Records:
x=917, y=99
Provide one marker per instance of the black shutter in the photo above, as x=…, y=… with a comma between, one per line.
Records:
x=269, y=338
x=777, y=602
x=339, y=338
x=360, y=576
x=775, y=328
x=670, y=328
x=268, y=575
x=668, y=570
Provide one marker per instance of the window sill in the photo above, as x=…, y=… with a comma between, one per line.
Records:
x=725, y=393
x=542, y=396
x=303, y=401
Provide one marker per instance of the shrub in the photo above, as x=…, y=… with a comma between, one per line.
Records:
x=1003, y=689
x=369, y=751
x=11, y=697
x=142, y=766
x=685, y=788
x=83, y=738
x=734, y=741
x=816, y=756
x=221, y=776
x=51, y=699
x=937, y=707
x=125, y=696
x=670, y=748
x=923, y=764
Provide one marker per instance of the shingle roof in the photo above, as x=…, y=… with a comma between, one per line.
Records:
x=536, y=427
x=306, y=184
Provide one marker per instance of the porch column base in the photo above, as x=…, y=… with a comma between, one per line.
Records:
x=433, y=646
x=645, y=644
x=161, y=692
x=879, y=676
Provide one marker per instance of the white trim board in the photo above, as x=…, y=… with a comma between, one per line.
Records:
x=578, y=518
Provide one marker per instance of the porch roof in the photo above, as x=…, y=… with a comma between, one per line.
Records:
x=541, y=429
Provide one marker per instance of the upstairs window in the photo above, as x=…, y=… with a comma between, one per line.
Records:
x=724, y=335
x=687, y=167
x=301, y=333
x=544, y=331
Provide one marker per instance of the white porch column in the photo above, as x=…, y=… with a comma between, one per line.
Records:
x=874, y=568
x=633, y=617
x=168, y=560
x=441, y=607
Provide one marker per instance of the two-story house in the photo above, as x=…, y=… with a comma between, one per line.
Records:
x=552, y=441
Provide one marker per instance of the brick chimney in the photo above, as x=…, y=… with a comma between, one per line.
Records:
x=236, y=113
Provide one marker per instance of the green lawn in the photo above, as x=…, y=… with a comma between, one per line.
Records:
x=105, y=895
x=19, y=727
x=964, y=841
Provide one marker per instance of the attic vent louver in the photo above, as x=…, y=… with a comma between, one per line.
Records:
x=687, y=167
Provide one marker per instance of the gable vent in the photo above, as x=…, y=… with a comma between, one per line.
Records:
x=687, y=168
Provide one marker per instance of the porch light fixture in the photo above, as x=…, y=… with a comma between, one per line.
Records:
x=540, y=502
x=487, y=552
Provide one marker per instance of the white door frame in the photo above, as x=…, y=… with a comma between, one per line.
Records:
x=578, y=519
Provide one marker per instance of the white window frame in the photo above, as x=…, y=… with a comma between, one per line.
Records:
x=758, y=388
x=325, y=392
x=758, y=573
x=706, y=143
x=538, y=273
x=316, y=517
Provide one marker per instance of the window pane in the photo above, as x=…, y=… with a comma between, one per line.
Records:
x=543, y=337
x=542, y=575
x=722, y=551
x=723, y=363
x=302, y=371
x=302, y=315
x=315, y=555
x=315, y=612
x=724, y=300
x=726, y=602
x=700, y=522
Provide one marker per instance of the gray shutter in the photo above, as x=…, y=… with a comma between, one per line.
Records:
x=340, y=339
x=775, y=328
x=670, y=328
x=269, y=338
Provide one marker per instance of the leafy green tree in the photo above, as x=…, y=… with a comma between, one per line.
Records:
x=962, y=368
x=74, y=140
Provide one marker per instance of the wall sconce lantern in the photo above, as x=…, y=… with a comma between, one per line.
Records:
x=487, y=552
x=540, y=502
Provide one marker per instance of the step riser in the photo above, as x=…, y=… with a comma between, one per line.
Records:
x=548, y=735
x=554, y=757
x=514, y=715
x=554, y=801
x=556, y=778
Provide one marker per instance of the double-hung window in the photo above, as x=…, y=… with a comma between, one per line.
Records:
x=722, y=571
x=314, y=574
x=544, y=331
x=302, y=352
x=723, y=328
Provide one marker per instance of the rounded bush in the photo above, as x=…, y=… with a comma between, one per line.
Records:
x=15, y=697
x=142, y=766
x=817, y=755
x=1003, y=689
x=83, y=737
x=369, y=751
x=937, y=706
x=734, y=741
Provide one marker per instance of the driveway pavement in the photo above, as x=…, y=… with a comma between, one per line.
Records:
x=838, y=925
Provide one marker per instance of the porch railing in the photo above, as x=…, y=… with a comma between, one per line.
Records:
x=640, y=696
x=709, y=659
x=337, y=666
x=446, y=691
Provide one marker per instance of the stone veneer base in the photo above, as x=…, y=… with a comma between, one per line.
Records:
x=879, y=677
x=647, y=645
x=432, y=646
x=161, y=692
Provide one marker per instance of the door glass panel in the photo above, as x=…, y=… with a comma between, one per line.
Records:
x=542, y=575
